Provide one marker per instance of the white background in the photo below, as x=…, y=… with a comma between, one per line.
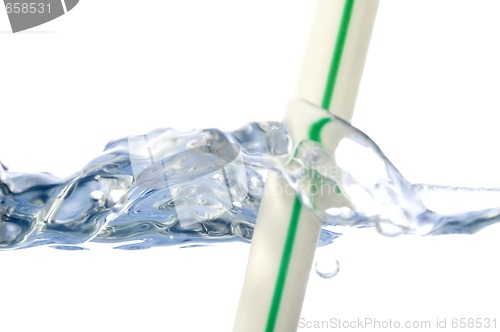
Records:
x=107, y=69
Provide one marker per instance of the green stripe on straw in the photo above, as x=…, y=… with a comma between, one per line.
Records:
x=297, y=206
x=337, y=55
x=285, y=263
x=316, y=128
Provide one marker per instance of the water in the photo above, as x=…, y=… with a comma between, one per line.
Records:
x=198, y=187
x=327, y=269
x=325, y=263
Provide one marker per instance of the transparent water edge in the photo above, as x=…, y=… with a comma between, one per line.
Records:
x=203, y=187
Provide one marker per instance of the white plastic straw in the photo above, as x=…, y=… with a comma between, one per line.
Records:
x=286, y=235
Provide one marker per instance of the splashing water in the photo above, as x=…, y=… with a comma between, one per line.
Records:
x=187, y=188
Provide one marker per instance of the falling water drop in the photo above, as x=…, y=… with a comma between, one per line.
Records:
x=327, y=268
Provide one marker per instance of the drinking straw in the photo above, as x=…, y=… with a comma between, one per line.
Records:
x=286, y=235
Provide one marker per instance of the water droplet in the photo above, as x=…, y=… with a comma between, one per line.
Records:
x=327, y=269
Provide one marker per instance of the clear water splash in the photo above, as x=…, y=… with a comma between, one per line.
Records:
x=356, y=185
x=178, y=188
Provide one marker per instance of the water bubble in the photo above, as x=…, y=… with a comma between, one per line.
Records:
x=327, y=269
